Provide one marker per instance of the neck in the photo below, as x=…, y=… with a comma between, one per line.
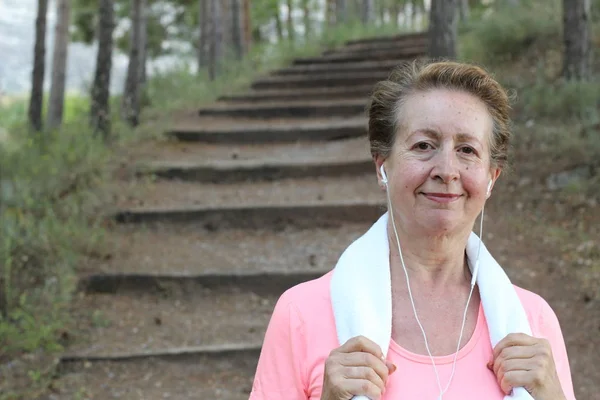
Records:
x=433, y=261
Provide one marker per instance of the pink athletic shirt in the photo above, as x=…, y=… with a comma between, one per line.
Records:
x=301, y=334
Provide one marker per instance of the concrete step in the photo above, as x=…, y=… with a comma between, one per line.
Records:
x=188, y=376
x=252, y=131
x=389, y=47
x=331, y=93
x=402, y=38
x=306, y=202
x=319, y=80
x=404, y=53
x=170, y=159
x=361, y=66
x=170, y=323
x=155, y=257
x=288, y=109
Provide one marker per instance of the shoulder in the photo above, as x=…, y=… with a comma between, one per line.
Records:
x=541, y=316
x=307, y=297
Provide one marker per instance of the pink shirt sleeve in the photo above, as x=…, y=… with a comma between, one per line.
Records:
x=280, y=372
x=549, y=328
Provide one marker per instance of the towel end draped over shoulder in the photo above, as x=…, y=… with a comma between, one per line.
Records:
x=361, y=294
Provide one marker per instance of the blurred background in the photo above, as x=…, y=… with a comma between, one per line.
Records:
x=169, y=168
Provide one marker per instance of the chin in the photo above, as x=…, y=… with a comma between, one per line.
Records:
x=440, y=225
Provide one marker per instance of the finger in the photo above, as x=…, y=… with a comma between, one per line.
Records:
x=363, y=344
x=364, y=373
x=363, y=387
x=358, y=359
x=514, y=364
x=513, y=353
x=513, y=379
x=513, y=339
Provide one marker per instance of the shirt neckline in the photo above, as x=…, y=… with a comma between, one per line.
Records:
x=425, y=359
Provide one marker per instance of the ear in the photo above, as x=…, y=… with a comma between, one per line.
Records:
x=495, y=174
x=379, y=160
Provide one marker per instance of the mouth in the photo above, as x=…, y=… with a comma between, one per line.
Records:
x=442, y=197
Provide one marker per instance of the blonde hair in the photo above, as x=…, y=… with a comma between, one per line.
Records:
x=388, y=97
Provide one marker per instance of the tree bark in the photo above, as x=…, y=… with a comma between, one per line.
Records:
x=216, y=40
x=330, y=12
x=577, y=39
x=464, y=11
x=236, y=28
x=36, y=101
x=341, y=11
x=100, y=107
x=130, y=105
x=306, y=17
x=443, y=29
x=59, y=64
x=204, y=39
x=247, y=19
x=367, y=11
x=291, y=33
x=278, y=25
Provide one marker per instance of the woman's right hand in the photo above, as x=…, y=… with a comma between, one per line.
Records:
x=356, y=368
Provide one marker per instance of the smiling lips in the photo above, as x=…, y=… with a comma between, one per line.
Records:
x=442, y=197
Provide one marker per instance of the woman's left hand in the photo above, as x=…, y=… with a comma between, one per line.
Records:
x=521, y=360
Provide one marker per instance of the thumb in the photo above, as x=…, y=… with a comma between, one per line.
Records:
x=391, y=367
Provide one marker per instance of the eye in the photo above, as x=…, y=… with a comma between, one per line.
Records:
x=423, y=146
x=467, y=150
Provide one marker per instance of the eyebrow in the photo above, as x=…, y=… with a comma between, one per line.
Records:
x=462, y=137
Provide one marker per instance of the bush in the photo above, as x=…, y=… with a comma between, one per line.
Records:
x=507, y=32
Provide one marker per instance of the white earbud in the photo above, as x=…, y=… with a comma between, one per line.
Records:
x=384, y=178
x=489, y=188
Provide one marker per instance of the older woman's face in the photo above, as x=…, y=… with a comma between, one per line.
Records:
x=439, y=168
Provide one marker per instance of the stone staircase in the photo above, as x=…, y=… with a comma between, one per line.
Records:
x=259, y=192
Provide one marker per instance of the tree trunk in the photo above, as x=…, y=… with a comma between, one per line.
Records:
x=291, y=33
x=577, y=39
x=100, y=108
x=144, y=45
x=247, y=20
x=330, y=12
x=203, y=43
x=341, y=11
x=236, y=27
x=395, y=12
x=442, y=29
x=59, y=64
x=216, y=40
x=36, y=101
x=278, y=25
x=130, y=105
x=306, y=17
x=367, y=11
x=464, y=11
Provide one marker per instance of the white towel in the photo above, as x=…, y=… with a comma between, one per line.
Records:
x=361, y=294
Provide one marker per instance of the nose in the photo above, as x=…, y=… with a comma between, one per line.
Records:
x=445, y=166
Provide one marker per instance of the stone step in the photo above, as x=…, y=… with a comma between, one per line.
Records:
x=252, y=131
x=406, y=53
x=187, y=377
x=319, y=80
x=201, y=162
x=401, y=38
x=307, y=202
x=170, y=323
x=331, y=93
x=361, y=66
x=152, y=256
x=288, y=109
x=421, y=45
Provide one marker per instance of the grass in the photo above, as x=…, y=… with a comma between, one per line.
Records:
x=51, y=204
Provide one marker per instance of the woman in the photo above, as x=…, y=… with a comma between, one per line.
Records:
x=439, y=135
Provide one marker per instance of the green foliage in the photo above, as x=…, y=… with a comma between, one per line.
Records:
x=504, y=33
x=563, y=100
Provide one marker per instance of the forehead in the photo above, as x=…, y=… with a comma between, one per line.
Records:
x=447, y=112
